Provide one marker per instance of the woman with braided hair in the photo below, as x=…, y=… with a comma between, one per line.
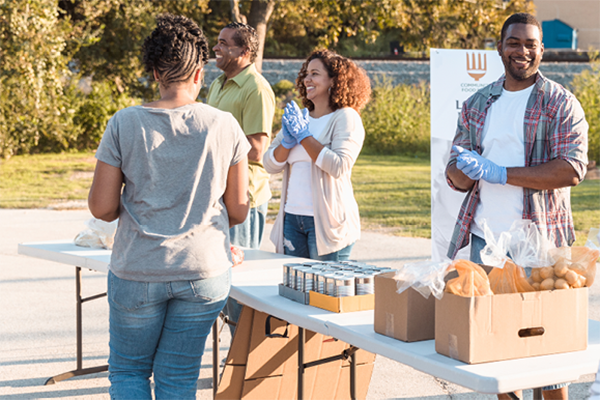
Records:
x=316, y=150
x=174, y=172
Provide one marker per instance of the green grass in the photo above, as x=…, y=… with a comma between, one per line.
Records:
x=393, y=192
x=585, y=203
x=38, y=181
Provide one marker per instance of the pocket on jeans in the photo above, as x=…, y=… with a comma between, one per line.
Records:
x=212, y=289
x=129, y=295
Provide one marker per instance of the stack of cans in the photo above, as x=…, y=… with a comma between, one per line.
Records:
x=336, y=279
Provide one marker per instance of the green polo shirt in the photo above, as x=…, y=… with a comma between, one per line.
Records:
x=250, y=99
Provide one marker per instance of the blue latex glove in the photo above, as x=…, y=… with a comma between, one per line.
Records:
x=288, y=140
x=296, y=121
x=477, y=167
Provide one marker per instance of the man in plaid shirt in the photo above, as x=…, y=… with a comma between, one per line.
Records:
x=520, y=145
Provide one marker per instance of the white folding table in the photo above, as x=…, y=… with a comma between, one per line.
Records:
x=255, y=284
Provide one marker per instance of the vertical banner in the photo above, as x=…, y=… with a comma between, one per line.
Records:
x=455, y=76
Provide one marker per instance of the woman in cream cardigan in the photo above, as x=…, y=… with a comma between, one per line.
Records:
x=316, y=150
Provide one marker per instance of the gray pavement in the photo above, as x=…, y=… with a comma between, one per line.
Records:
x=37, y=318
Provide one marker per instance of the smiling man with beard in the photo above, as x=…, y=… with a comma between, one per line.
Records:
x=520, y=145
x=242, y=91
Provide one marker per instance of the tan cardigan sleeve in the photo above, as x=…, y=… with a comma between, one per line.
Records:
x=347, y=137
x=268, y=163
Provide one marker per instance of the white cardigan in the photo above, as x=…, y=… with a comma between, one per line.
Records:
x=337, y=221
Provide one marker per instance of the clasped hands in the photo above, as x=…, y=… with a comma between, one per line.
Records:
x=477, y=167
x=294, y=125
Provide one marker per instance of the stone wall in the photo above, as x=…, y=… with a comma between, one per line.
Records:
x=408, y=72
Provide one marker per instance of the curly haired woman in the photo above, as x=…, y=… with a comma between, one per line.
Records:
x=184, y=168
x=317, y=148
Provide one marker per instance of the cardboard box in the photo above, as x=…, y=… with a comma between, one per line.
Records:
x=330, y=303
x=342, y=304
x=266, y=367
x=407, y=316
x=507, y=326
x=293, y=294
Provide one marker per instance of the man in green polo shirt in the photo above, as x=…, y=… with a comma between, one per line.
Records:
x=246, y=94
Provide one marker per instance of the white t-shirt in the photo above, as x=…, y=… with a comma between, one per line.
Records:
x=299, y=195
x=502, y=143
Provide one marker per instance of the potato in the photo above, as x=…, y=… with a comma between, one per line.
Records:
x=561, y=268
x=580, y=282
x=577, y=268
x=547, y=284
x=546, y=272
x=577, y=284
x=571, y=277
x=561, y=284
x=536, y=286
x=535, y=275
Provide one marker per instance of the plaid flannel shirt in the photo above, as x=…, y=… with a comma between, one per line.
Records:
x=554, y=128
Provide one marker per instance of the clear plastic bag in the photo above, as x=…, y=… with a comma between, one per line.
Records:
x=576, y=265
x=521, y=246
x=426, y=277
x=100, y=234
x=472, y=280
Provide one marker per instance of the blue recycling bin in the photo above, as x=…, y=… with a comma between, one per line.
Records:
x=558, y=35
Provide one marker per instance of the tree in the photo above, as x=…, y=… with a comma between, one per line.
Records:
x=119, y=29
x=33, y=72
x=297, y=27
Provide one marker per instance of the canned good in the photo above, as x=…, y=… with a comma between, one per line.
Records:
x=299, y=277
x=365, y=284
x=319, y=281
x=344, y=285
x=329, y=288
x=289, y=278
x=308, y=280
x=311, y=263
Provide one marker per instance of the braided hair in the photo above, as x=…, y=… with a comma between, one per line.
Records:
x=175, y=49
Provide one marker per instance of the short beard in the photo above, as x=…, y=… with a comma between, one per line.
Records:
x=524, y=74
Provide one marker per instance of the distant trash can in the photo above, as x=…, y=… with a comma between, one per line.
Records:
x=558, y=35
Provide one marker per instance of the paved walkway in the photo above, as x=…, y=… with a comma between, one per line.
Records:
x=37, y=318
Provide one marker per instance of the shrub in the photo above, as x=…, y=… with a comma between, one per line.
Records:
x=586, y=87
x=93, y=111
x=396, y=119
x=33, y=113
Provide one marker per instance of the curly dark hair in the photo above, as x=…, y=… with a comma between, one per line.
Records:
x=351, y=86
x=521, y=18
x=245, y=36
x=175, y=49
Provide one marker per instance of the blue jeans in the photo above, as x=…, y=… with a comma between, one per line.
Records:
x=247, y=234
x=160, y=328
x=477, y=244
x=300, y=240
x=250, y=232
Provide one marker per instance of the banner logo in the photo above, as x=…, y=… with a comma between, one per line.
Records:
x=476, y=69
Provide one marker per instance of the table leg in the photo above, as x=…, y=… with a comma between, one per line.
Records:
x=79, y=370
x=216, y=341
x=353, y=376
x=537, y=394
x=300, y=363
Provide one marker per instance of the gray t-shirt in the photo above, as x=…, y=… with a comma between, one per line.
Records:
x=173, y=223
